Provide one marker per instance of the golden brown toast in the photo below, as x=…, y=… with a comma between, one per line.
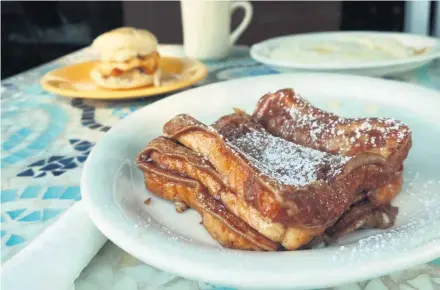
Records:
x=176, y=158
x=293, y=118
x=308, y=189
x=222, y=225
x=179, y=161
x=288, y=175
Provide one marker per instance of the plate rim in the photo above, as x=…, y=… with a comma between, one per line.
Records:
x=421, y=254
x=141, y=92
x=288, y=64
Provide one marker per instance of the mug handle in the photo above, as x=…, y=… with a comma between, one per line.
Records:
x=248, y=11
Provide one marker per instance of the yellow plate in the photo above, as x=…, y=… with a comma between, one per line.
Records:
x=74, y=81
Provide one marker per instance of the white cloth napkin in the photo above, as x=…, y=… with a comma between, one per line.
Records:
x=55, y=259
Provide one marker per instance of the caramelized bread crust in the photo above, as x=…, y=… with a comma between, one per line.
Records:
x=286, y=177
x=314, y=203
x=176, y=158
x=293, y=118
x=222, y=225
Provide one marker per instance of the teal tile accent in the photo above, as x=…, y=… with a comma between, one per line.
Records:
x=436, y=262
x=31, y=192
x=16, y=138
x=9, y=114
x=8, y=195
x=11, y=159
x=53, y=192
x=2, y=219
x=50, y=213
x=56, y=127
x=34, y=90
x=57, y=124
x=15, y=240
x=2, y=233
x=71, y=192
x=23, y=154
x=13, y=214
x=32, y=217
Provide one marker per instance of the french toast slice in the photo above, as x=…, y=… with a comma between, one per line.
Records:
x=221, y=224
x=283, y=181
x=176, y=158
x=289, y=116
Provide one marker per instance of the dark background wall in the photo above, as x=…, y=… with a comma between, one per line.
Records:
x=271, y=18
x=37, y=32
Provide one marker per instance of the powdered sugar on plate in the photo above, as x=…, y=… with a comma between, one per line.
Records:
x=418, y=223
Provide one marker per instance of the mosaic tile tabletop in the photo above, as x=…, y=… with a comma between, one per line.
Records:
x=46, y=139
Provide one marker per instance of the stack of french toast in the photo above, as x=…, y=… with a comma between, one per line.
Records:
x=290, y=176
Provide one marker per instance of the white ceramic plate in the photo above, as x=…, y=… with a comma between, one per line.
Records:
x=114, y=192
x=263, y=52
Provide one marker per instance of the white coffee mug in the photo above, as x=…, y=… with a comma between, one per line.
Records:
x=207, y=27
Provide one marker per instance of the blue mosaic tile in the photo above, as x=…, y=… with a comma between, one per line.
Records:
x=38, y=163
x=15, y=240
x=31, y=192
x=41, y=175
x=58, y=164
x=66, y=161
x=50, y=167
x=16, y=138
x=13, y=214
x=25, y=153
x=33, y=90
x=53, y=192
x=69, y=166
x=58, y=172
x=58, y=118
x=88, y=115
x=216, y=287
x=87, y=122
x=2, y=233
x=29, y=172
x=96, y=126
x=50, y=213
x=436, y=262
x=83, y=146
x=2, y=219
x=11, y=159
x=8, y=195
x=82, y=158
x=55, y=158
x=71, y=192
x=32, y=217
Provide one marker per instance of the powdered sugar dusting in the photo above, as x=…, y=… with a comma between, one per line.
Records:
x=418, y=224
x=287, y=162
x=319, y=125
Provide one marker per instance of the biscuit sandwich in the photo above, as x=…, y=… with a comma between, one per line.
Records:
x=128, y=59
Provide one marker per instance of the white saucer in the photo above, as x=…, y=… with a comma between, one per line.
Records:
x=113, y=189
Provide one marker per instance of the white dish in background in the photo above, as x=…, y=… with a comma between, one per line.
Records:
x=293, y=53
x=114, y=192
